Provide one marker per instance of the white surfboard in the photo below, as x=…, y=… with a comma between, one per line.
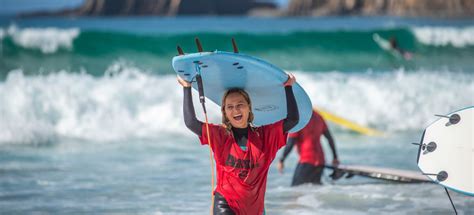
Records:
x=446, y=153
x=263, y=82
x=384, y=173
x=382, y=43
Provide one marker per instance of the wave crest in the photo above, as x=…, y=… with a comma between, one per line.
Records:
x=443, y=36
x=127, y=103
x=47, y=40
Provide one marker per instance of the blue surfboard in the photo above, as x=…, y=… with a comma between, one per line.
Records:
x=263, y=82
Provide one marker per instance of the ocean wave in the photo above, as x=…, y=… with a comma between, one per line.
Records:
x=325, y=50
x=2, y=34
x=393, y=101
x=126, y=103
x=50, y=39
x=47, y=40
x=130, y=103
x=444, y=36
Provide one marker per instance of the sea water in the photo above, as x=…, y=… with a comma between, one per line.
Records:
x=91, y=113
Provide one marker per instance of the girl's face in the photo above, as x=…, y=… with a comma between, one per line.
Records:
x=237, y=110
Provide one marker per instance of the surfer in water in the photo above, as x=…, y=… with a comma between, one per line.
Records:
x=394, y=46
x=311, y=162
x=242, y=152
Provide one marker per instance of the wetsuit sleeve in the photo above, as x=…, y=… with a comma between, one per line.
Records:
x=189, y=114
x=289, y=146
x=293, y=116
x=328, y=136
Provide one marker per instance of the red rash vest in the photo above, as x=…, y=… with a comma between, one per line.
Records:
x=242, y=175
x=307, y=141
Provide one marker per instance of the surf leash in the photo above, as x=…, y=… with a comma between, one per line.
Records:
x=202, y=100
x=198, y=79
x=431, y=147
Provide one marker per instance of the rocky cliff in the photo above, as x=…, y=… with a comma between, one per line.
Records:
x=426, y=8
x=161, y=8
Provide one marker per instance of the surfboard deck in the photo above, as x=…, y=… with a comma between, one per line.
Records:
x=389, y=174
x=382, y=43
x=263, y=82
x=447, y=151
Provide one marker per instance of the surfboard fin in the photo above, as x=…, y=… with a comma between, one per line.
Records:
x=453, y=119
x=180, y=50
x=441, y=176
x=198, y=44
x=234, y=45
x=427, y=148
x=337, y=174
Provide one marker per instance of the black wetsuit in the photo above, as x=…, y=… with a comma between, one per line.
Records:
x=240, y=134
x=304, y=172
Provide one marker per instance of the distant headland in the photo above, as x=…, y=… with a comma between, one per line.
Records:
x=404, y=8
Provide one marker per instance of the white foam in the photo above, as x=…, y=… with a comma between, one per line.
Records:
x=128, y=103
x=443, y=36
x=47, y=40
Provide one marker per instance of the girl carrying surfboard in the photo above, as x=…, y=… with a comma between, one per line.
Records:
x=242, y=152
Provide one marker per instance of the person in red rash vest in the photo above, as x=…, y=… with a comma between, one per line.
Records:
x=311, y=163
x=242, y=152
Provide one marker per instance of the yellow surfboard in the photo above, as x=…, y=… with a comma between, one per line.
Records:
x=348, y=124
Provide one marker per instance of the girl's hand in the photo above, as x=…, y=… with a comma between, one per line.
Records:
x=291, y=80
x=183, y=82
x=280, y=166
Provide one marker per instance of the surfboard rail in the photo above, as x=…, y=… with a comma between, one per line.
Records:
x=348, y=124
x=383, y=173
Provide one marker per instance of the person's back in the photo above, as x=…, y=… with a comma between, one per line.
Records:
x=311, y=162
x=308, y=142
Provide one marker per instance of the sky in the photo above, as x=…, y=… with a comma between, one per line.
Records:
x=10, y=7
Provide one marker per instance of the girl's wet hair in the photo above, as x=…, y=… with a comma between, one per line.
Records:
x=246, y=96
